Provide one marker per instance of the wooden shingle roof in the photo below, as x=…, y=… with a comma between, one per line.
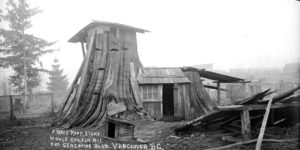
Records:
x=162, y=76
x=81, y=35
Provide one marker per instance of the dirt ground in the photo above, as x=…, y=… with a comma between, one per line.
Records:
x=34, y=133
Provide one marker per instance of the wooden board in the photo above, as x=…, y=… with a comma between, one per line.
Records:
x=246, y=126
x=154, y=109
x=125, y=132
x=255, y=107
x=177, y=101
x=114, y=108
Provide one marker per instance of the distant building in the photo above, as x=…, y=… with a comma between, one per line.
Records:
x=277, y=79
x=291, y=72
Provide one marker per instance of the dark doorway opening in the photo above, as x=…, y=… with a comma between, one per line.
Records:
x=111, y=130
x=168, y=100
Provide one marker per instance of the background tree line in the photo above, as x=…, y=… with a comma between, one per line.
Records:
x=22, y=51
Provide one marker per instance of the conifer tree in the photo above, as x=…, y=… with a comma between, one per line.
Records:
x=58, y=81
x=19, y=49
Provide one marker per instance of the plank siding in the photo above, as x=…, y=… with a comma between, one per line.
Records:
x=160, y=99
x=182, y=107
x=154, y=106
x=124, y=132
x=187, y=105
x=181, y=102
x=177, y=101
x=182, y=110
x=154, y=109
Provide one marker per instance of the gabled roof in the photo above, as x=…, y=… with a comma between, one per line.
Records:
x=162, y=76
x=163, y=72
x=214, y=76
x=80, y=36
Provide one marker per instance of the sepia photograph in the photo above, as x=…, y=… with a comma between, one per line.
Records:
x=149, y=75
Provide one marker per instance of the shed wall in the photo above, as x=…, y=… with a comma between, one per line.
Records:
x=153, y=106
x=181, y=103
x=122, y=131
x=154, y=109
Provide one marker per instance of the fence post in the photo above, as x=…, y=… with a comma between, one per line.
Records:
x=219, y=92
x=11, y=108
x=52, y=104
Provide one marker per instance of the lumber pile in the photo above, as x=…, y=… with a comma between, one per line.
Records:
x=229, y=117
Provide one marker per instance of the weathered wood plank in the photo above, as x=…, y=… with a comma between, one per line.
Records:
x=254, y=99
x=283, y=95
x=255, y=107
x=182, y=107
x=114, y=108
x=213, y=87
x=177, y=101
x=12, y=116
x=219, y=92
x=187, y=104
x=246, y=125
x=160, y=98
x=154, y=109
x=263, y=126
x=125, y=132
x=52, y=104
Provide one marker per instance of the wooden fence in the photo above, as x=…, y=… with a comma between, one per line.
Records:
x=12, y=103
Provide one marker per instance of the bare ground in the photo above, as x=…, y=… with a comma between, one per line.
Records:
x=33, y=134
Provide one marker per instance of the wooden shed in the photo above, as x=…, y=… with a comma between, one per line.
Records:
x=119, y=129
x=164, y=93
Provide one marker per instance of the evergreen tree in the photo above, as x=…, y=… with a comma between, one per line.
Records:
x=21, y=50
x=58, y=82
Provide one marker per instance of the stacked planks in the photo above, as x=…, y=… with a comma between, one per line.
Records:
x=229, y=116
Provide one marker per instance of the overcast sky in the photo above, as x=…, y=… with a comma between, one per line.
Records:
x=229, y=34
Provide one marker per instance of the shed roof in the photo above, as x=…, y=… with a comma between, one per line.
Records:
x=214, y=76
x=80, y=36
x=162, y=76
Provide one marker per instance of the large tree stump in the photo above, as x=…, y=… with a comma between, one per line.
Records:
x=104, y=76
